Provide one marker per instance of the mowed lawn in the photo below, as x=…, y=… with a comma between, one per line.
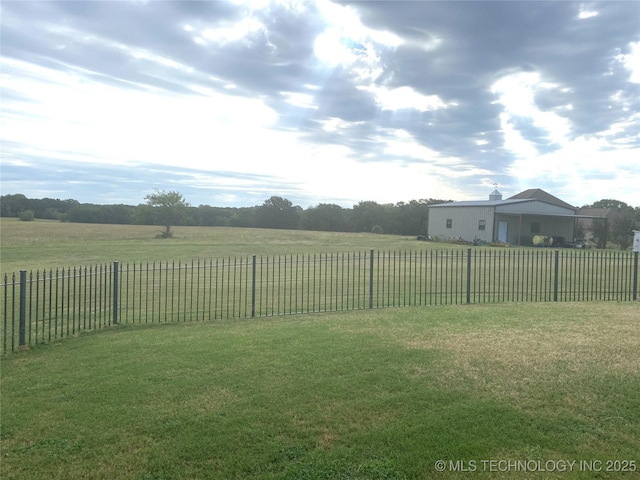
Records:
x=369, y=394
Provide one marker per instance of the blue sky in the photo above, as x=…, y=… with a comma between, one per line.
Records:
x=231, y=102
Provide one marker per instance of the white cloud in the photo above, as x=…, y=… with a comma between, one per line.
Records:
x=232, y=32
x=588, y=163
x=514, y=141
x=629, y=127
x=586, y=160
x=108, y=124
x=334, y=124
x=78, y=108
x=331, y=175
x=245, y=29
x=346, y=42
x=516, y=93
x=584, y=14
x=631, y=61
x=404, y=98
x=346, y=21
x=300, y=99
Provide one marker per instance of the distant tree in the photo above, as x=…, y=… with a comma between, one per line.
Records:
x=326, y=217
x=416, y=217
x=51, y=208
x=278, y=212
x=623, y=225
x=53, y=214
x=412, y=217
x=209, y=216
x=119, y=214
x=243, y=217
x=365, y=215
x=618, y=226
x=579, y=232
x=600, y=232
x=12, y=205
x=609, y=203
x=165, y=208
x=86, y=213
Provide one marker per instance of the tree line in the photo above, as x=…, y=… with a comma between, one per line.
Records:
x=402, y=218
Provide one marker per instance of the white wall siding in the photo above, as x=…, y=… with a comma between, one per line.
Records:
x=464, y=223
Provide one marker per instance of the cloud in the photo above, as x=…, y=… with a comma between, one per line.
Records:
x=320, y=101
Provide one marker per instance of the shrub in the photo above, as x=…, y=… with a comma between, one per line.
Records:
x=27, y=216
x=377, y=229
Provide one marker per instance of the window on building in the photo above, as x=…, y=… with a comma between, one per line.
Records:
x=535, y=227
x=482, y=225
x=449, y=223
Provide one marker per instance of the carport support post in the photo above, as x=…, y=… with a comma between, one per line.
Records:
x=469, y=275
x=555, y=275
x=635, y=276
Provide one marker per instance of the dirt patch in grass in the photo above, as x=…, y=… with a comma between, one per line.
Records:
x=210, y=400
x=326, y=439
x=574, y=347
x=611, y=343
x=509, y=359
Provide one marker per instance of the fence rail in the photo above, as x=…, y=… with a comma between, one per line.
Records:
x=41, y=306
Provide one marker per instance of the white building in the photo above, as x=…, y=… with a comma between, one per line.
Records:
x=514, y=221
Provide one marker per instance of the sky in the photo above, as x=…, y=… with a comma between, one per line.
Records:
x=231, y=102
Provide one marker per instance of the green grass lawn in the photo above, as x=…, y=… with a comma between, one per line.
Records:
x=345, y=395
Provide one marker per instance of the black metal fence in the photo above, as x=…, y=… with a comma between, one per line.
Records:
x=44, y=305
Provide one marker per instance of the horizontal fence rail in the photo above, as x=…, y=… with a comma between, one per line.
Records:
x=41, y=306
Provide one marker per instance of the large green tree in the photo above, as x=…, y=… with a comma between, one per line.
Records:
x=278, y=212
x=620, y=223
x=610, y=203
x=326, y=217
x=367, y=214
x=166, y=208
x=623, y=226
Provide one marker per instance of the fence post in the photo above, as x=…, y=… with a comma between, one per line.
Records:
x=469, y=275
x=253, y=288
x=555, y=275
x=4, y=330
x=23, y=310
x=371, y=278
x=635, y=276
x=115, y=293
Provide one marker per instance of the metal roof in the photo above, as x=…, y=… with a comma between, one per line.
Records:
x=531, y=195
x=483, y=203
x=539, y=194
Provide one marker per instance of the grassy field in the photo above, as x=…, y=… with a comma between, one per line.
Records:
x=365, y=394
x=45, y=244
x=357, y=395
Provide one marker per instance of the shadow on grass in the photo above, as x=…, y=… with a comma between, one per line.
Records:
x=301, y=399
